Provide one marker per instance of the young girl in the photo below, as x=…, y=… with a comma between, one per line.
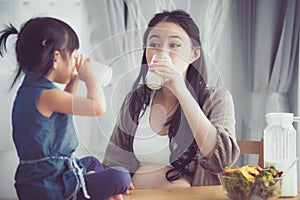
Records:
x=43, y=130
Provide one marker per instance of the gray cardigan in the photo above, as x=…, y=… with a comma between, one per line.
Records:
x=219, y=109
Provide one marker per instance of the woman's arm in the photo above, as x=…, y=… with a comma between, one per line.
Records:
x=212, y=126
x=219, y=109
x=205, y=133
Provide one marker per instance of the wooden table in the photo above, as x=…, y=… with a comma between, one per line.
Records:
x=192, y=193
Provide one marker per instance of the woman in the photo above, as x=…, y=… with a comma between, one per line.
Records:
x=182, y=134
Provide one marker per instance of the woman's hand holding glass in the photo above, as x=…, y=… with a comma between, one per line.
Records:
x=172, y=78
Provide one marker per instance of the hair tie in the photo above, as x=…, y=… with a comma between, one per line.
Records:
x=44, y=43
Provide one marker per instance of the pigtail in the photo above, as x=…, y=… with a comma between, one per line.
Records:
x=3, y=38
x=4, y=35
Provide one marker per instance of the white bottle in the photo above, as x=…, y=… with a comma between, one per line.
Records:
x=280, y=149
x=154, y=81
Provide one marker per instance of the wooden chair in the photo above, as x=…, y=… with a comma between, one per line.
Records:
x=253, y=147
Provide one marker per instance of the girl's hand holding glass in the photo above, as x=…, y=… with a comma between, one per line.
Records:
x=83, y=68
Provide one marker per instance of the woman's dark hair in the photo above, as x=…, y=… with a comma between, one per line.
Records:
x=37, y=42
x=139, y=98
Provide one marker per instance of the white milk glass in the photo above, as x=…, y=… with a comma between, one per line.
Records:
x=154, y=81
x=280, y=149
x=103, y=73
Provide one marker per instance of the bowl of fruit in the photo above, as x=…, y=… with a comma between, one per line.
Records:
x=251, y=182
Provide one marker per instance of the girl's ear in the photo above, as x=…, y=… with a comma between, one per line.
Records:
x=57, y=57
x=195, y=54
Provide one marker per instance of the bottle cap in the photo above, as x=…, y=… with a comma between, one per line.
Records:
x=279, y=118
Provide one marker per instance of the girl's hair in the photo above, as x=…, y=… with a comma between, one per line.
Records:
x=139, y=98
x=37, y=42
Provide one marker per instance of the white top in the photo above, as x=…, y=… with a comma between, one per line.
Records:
x=148, y=146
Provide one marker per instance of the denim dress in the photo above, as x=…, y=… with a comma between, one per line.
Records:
x=47, y=169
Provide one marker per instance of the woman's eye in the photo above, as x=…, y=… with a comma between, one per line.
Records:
x=154, y=45
x=174, y=45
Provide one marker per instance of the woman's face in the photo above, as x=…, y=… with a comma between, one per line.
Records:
x=169, y=38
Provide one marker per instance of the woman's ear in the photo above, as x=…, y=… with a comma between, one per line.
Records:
x=195, y=54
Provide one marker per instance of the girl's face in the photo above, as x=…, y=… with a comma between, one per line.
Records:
x=66, y=67
x=169, y=38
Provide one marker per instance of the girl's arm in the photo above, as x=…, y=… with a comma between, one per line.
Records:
x=72, y=86
x=93, y=104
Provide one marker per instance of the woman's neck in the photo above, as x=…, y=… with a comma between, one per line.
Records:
x=165, y=95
